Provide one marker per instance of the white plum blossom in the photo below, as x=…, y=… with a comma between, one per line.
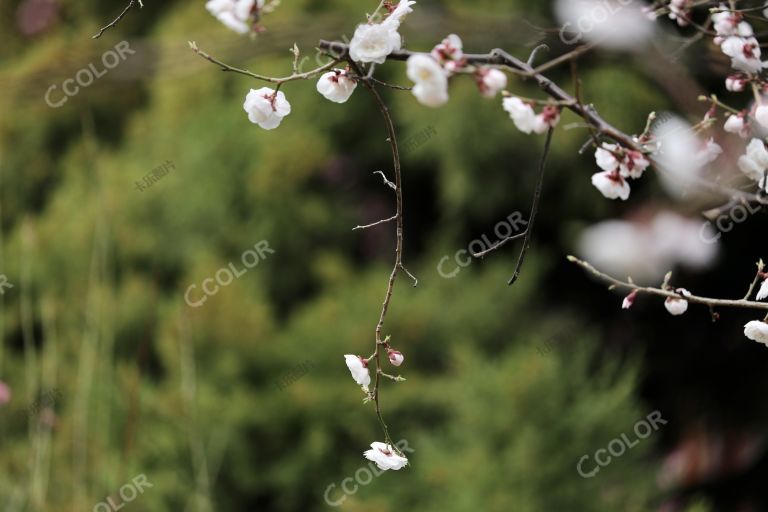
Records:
x=373, y=42
x=336, y=86
x=761, y=115
x=680, y=11
x=757, y=331
x=755, y=162
x=385, y=456
x=521, y=113
x=431, y=87
x=450, y=49
x=737, y=123
x=633, y=164
x=605, y=157
x=763, y=292
x=395, y=357
x=630, y=163
x=403, y=8
x=736, y=83
x=266, y=107
x=611, y=184
x=235, y=14
x=677, y=306
x=548, y=118
x=744, y=53
x=491, y=81
x=728, y=23
x=525, y=118
x=358, y=367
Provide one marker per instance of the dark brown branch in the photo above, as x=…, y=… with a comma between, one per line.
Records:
x=534, y=209
x=120, y=17
x=499, y=57
x=392, y=139
x=695, y=299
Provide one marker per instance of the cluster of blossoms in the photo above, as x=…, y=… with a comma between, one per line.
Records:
x=430, y=73
x=382, y=454
x=238, y=15
x=618, y=164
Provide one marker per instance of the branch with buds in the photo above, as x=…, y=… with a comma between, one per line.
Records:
x=620, y=156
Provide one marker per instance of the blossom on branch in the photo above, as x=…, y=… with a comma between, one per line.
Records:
x=373, y=42
x=431, y=81
x=450, y=49
x=755, y=162
x=763, y=292
x=677, y=306
x=266, y=107
x=738, y=124
x=358, y=367
x=385, y=457
x=490, y=81
x=395, y=357
x=525, y=118
x=744, y=53
x=235, y=14
x=611, y=184
x=336, y=86
x=757, y=331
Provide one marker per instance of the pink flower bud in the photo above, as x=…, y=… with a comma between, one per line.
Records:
x=395, y=357
x=629, y=300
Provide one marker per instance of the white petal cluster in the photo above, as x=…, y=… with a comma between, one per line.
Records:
x=385, y=456
x=677, y=306
x=761, y=115
x=336, y=86
x=611, y=184
x=737, y=123
x=757, y=331
x=763, y=292
x=373, y=42
x=450, y=49
x=680, y=11
x=727, y=23
x=266, y=108
x=358, y=367
x=617, y=164
x=736, y=83
x=744, y=53
x=755, y=161
x=525, y=118
x=490, y=81
x=235, y=14
x=431, y=80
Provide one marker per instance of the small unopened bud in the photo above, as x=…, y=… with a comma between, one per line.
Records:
x=629, y=300
x=395, y=357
